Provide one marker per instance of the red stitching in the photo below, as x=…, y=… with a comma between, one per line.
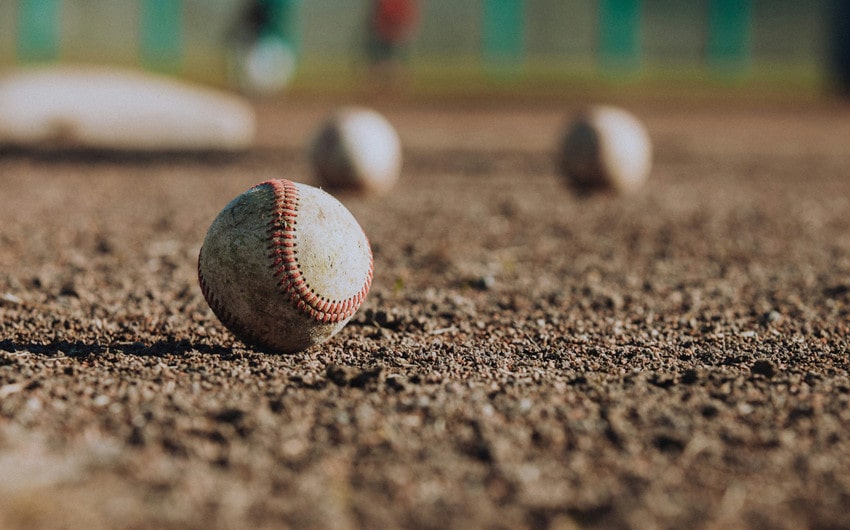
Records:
x=284, y=254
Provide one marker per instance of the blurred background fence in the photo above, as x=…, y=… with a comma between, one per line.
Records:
x=460, y=43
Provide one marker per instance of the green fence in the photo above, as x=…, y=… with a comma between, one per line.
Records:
x=554, y=39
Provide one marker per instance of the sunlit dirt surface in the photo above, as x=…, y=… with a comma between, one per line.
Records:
x=527, y=358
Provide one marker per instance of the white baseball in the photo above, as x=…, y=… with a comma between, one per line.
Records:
x=117, y=108
x=606, y=147
x=266, y=66
x=357, y=149
x=284, y=266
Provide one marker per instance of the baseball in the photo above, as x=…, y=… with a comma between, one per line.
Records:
x=606, y=148
x=356, y=149
x=266, y=67
x=284, y=266
x=116, y=108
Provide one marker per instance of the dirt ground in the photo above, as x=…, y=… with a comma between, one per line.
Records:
x=527, y=358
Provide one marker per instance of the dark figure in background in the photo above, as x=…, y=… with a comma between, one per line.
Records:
x=840, y=62
x=262, y=59
x=257, y=17
x=393, y=24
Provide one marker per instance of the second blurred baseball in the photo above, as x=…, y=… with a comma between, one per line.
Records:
x=357, y=149
x=605, y=148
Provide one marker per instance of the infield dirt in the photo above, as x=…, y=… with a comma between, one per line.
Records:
x=527, y=358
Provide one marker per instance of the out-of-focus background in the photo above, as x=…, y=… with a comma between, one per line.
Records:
x=466, y=46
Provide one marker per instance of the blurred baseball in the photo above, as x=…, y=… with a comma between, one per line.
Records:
x=356, y=149
x=284, y=266
x=122, y=109
x=266, y=66
x=606, y=147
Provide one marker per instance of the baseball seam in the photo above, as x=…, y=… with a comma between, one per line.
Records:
x=220, y=311
x=283, y=252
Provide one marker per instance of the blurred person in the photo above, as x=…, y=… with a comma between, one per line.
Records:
x=392, y=27
x=263, y=60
